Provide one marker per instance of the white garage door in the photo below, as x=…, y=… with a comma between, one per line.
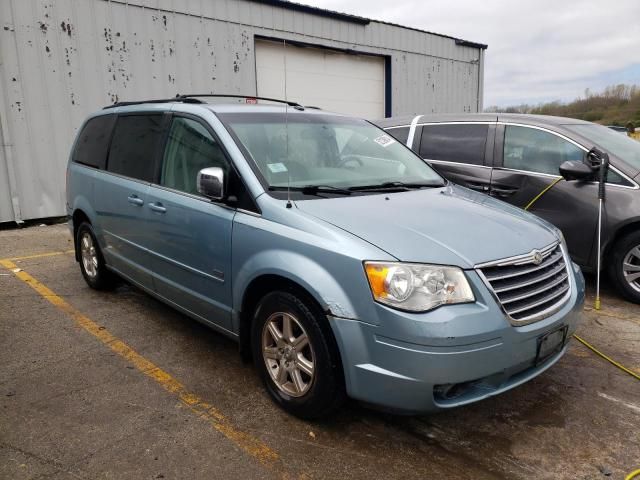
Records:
x=333, y=81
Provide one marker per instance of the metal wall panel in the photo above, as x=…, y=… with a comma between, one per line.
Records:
x=62, y=59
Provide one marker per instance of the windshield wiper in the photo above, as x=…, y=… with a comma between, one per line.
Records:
x=313, y=189
x=395, y=186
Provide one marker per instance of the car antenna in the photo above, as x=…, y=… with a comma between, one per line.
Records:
x=286, y=128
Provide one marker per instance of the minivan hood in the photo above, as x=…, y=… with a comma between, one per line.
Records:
x=449, y=225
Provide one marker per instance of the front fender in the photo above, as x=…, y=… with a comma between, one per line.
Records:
x=307, y=273
x=322, y=259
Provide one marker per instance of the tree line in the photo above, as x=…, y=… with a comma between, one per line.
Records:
x=615, y=105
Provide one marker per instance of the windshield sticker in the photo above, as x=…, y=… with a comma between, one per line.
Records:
x=384, y=140
x=277, y=167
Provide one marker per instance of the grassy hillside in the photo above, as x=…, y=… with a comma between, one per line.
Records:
x=615, y=105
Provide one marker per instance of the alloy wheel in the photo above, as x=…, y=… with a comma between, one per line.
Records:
x=631, y=268
x=89, y=255
x=288, y=354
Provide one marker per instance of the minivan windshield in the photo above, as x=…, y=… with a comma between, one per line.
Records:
x=335, y=154
x=623, y=147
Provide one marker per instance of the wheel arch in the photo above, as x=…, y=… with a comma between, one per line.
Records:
x=266, y=283
x=78, y=217
x=631, y=225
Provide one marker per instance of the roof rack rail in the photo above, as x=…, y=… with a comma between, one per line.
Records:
x=220, y=95
x=159, y=100
x=194, y=98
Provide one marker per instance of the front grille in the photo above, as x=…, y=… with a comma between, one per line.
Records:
x=526, y=291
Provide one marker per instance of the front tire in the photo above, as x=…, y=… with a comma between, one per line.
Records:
x=92, y=264
x=624, y=268
x=296, y=356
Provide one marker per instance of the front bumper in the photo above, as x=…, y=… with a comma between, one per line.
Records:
x=448, y=357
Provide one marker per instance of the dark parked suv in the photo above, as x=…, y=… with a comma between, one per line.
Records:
x=514, y=157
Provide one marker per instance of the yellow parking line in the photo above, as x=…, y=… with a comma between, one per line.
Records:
x=40, y=255
x=251, y=445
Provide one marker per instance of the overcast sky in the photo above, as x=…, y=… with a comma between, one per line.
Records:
x=539, y=50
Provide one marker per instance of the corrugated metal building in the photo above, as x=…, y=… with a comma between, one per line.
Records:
x=62, y=59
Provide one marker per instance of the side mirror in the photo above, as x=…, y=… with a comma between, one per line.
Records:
x=576, y=170
x=210, y=183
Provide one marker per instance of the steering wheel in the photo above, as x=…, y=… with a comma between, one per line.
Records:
x=350, y=158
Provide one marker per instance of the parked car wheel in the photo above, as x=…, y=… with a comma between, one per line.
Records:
x=625, y=266
x=296, y=357
x=92, y=263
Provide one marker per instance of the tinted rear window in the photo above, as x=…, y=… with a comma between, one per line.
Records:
x=135, y=142
x=454, y=143
x=93, y=142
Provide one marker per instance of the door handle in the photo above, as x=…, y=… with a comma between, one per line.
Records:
x=479, y=187
x=157, y=207
x=135, y=200
x=503, y=192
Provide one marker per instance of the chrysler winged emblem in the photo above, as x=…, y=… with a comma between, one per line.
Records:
x=536, y=257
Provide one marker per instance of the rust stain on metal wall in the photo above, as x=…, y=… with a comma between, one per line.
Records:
x=66, y=27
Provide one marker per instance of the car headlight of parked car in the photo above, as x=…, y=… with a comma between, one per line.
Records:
x=417, y=287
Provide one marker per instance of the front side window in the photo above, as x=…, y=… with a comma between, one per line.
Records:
x=302, y=150
x=133, y=149
x=190, y=148
x=537, y=151
x=460, y=143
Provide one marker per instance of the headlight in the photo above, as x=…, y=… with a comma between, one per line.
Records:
x=417, y=287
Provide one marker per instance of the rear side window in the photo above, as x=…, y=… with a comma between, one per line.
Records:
x=136, y=140
x=401, y=134
x=461, y=143
x=93, y=142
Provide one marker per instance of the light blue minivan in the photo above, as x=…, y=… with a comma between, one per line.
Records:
x=337, y=258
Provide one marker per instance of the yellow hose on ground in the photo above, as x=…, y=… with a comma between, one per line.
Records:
x=633, y=474
x=608, y=359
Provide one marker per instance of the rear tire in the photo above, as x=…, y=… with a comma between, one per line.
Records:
x=624, y=267
x=92, y=264
x=296, y=356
